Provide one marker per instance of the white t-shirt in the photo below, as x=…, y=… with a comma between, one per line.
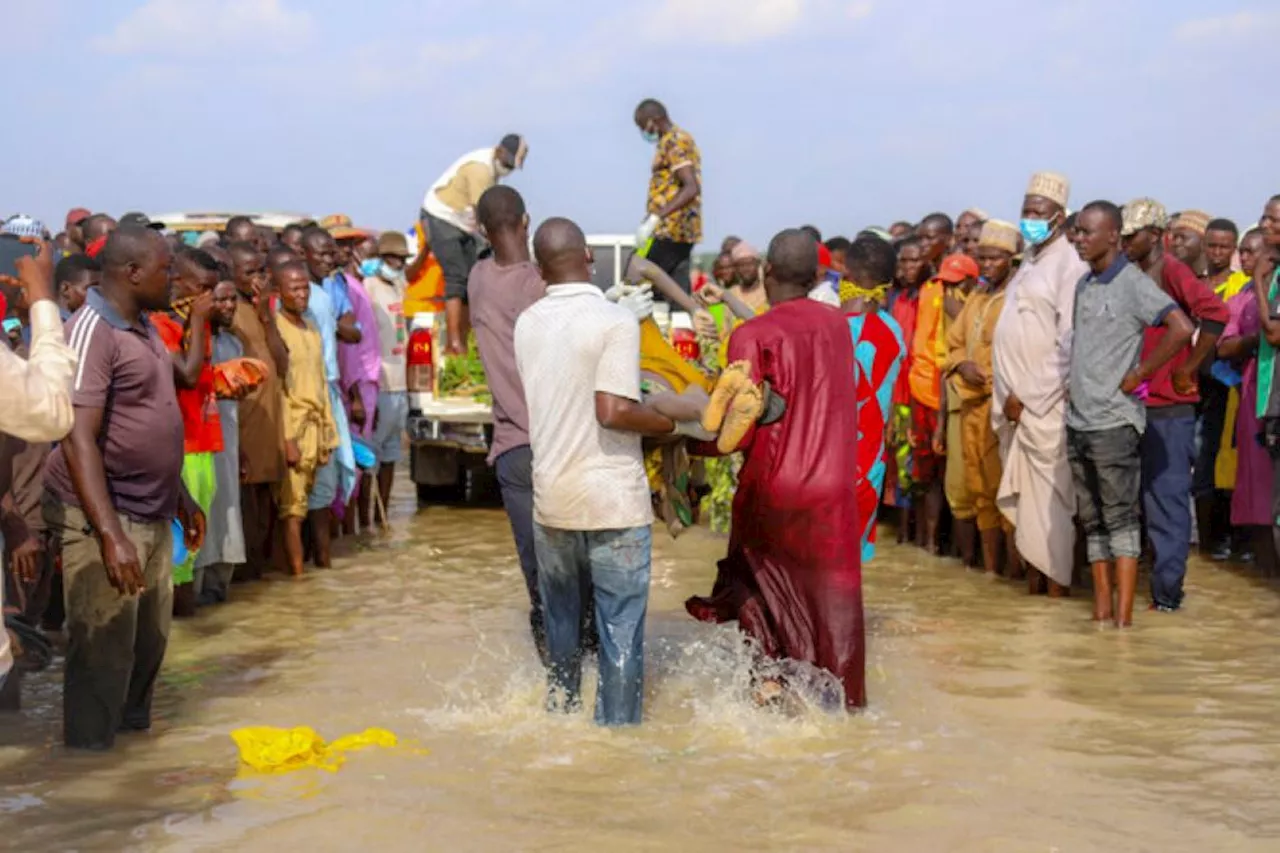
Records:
x=388, y=310
x=570, y=344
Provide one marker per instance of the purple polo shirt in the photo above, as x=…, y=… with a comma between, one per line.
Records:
x=127, y=372
x=497, y=296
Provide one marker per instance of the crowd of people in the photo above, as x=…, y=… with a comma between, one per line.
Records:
x=1073, y=389
x=196, y=415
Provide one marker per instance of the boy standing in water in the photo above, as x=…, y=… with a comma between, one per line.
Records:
x=1115, y=304
x=310, y=433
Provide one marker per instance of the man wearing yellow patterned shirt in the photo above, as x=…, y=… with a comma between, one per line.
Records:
x=674, y=207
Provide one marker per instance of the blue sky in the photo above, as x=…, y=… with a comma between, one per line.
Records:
x=842, y=113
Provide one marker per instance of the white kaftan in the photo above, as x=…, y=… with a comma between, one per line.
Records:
x=1031, y=355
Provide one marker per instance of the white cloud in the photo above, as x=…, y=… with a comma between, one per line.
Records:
x=1234, y=28
x=859, y=10
x=447, y=54
x=729, y=21
x=202, y=27
x=738, y=22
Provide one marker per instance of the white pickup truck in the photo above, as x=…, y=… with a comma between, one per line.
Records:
x=449, y=438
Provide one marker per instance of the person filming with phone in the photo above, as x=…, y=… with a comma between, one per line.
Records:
x=35, y=394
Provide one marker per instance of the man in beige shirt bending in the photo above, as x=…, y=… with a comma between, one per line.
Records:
x=449, y=216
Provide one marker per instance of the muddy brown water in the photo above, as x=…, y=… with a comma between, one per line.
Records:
x=997, y=722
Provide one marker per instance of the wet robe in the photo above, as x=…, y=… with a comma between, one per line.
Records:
x=1031, y=353
x=879, y=350
x=793, y=576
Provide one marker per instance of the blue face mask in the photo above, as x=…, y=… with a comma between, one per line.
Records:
x=651, y=136
x=11, y=325
x=369, y=267
x=1035, y=231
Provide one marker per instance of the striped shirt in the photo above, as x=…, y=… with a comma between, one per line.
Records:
x=126, y=371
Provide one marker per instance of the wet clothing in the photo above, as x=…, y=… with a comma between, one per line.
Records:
x=792, y=578
x=115, y=643
x=879, y=351
x=1107, y=473
x=1031, y=353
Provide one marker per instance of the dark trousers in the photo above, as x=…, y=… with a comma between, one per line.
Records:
x=456, y=252
x=115, y=643
x=1213, y=420
x=675, y=259
x=1168, y=451
x=514, y=471
x=256, y=512
x=1107, y=473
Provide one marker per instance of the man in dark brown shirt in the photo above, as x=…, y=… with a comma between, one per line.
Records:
x=113, y=488
x=261, y=413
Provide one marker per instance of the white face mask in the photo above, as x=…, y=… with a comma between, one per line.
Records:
x=501, y=168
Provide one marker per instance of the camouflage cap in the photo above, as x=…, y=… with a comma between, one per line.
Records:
x=1143, y=213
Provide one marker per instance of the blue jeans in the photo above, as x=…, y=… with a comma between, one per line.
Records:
x=1168, y=450
x=616, y=562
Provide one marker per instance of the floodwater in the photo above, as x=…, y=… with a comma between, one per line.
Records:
x=997, y=722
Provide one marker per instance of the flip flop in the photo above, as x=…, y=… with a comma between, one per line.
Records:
x=734, y=378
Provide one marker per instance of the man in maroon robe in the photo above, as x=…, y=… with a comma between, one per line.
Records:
x=793, y=576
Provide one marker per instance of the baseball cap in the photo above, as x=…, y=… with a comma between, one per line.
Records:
x=393, y=243
x=956, y=268
x=77, y=215
x=514, y=144
x=141, y=219
x=1143, y=213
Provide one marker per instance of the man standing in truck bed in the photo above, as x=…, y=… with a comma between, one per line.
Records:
x=449, y=213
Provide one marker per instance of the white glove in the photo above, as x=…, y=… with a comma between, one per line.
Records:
x=638, y=299
x=646, y=229
x=694, y=430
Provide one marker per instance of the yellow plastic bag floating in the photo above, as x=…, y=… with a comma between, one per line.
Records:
x=267, y=749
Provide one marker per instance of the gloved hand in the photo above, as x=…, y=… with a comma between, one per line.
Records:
x=694, y=430
x=638, y=299
x=646, y=229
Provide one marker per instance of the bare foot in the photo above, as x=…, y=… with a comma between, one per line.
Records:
x=733, y=379
x=745, y=411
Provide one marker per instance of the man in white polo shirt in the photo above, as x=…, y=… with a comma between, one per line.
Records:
x=578, y=358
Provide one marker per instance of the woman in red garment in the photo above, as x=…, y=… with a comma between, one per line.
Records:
x=792, y=578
